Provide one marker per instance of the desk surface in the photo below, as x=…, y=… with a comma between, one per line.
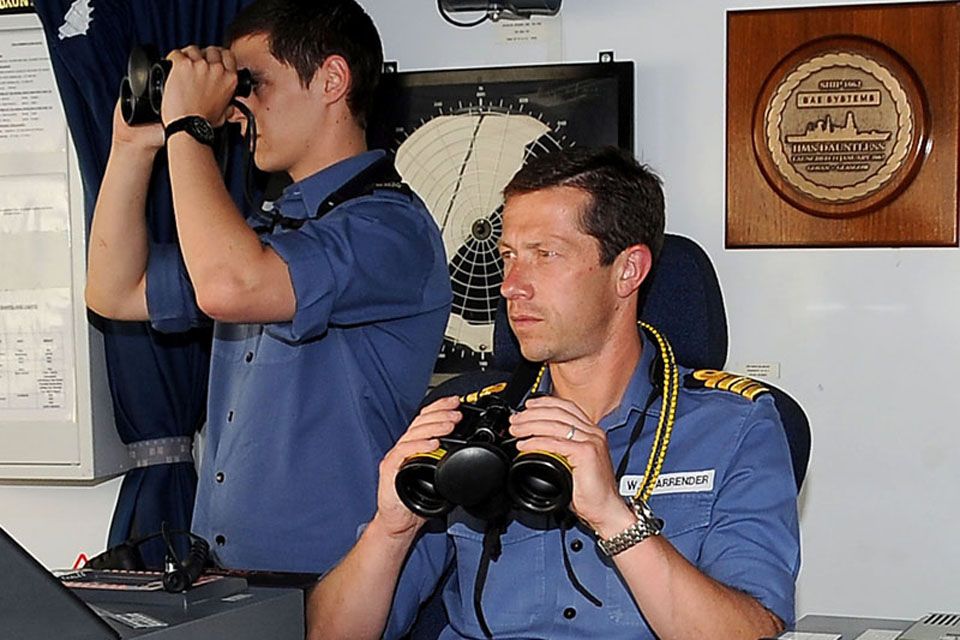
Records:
x=254, y=614
x=848, y=628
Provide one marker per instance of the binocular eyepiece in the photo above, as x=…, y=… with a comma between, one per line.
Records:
x=479, y=468
x=141, y=90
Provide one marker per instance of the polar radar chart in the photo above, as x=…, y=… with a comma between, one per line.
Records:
x=459, y=136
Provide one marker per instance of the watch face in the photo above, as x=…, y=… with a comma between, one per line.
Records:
x=200, y=129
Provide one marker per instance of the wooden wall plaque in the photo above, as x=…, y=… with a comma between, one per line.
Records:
x=842, y=126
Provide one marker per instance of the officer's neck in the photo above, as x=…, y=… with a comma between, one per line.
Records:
x=337, y=143
x=596, y=382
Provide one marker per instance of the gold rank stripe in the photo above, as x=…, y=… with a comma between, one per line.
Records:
x=741, y=385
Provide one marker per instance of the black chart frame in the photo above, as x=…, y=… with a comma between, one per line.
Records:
x=585, y=104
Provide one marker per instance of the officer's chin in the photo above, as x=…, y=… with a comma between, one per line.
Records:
x=534, y=351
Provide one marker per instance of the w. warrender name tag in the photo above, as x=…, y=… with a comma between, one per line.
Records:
x=842, y=126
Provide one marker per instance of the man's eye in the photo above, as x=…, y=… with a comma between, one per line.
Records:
x=546, y=253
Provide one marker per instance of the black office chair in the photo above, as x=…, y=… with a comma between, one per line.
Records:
x=683, y=300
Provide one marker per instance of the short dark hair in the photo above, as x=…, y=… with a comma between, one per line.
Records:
x=626, y=204
x=303, y=33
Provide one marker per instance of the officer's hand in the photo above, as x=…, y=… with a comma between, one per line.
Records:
x=201, y=82
x=436, y=419
x=148, y=137
x=560, y=426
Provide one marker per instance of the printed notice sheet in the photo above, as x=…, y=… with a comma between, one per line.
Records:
x=36, y=355
x=30, y=116
x=34, y=203
x=35, y=251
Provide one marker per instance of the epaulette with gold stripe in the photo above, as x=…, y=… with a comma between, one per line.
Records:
x=732, y=382
x=471, y=398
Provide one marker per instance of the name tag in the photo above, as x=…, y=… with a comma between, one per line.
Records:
x=682, y=482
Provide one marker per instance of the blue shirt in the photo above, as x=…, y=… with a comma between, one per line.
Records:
x=300, y=413
x=726, y=493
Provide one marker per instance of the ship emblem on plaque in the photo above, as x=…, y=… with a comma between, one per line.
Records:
x=839, y=127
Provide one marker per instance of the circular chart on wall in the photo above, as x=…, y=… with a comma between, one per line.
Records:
x=460, y=136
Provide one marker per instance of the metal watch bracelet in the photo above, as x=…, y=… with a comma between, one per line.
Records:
x=647, y=525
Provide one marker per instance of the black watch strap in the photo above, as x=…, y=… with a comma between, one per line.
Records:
x=198, y=127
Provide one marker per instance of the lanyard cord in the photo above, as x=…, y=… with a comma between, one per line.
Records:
x=668, y=389
x=668, y=415
x=250, y=152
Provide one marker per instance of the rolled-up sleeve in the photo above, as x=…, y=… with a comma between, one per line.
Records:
x=368, y=260
x=753, y=542
x=171, y=301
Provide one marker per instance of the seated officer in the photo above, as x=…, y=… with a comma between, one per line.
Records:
x=581, y=230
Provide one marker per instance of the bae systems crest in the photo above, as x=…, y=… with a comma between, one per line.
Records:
x=838, y=128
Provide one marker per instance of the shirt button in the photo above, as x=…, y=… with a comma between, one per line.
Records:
x=576, y=545
x=222, y=540
x=569, y=613
x=249, y=356
x=219, y=476
x=230, y=417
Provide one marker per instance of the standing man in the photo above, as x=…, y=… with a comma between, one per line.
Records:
x=581, y=230
x=327, y=320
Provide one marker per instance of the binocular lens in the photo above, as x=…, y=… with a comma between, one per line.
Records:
x=134, y=109
x=128, y=103
x=158, y=77
x=540, y=482
x=415, y=486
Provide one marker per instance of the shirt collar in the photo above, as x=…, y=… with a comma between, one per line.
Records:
x=302, y=199
x=637, y=391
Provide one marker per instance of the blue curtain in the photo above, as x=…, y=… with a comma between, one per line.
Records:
x=158, y=382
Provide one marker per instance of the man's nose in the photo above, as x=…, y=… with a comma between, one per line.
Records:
x=516, y=283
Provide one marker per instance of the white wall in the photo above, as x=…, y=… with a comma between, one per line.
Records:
x=865, y=338
x=57, y=523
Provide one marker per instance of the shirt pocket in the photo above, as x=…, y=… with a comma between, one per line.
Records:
x=232, y=342
x=686, y=518
x=514, y=593
x=252, y=345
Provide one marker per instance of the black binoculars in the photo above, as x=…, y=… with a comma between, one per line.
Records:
x=141, y=90
x=479, y=468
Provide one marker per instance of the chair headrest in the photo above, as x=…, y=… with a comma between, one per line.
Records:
x=684, y=302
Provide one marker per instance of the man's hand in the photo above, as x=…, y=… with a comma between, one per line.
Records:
x=201, y=82
x=436, y=419
x=142, y=137
x=560, y=426
x=353, y=600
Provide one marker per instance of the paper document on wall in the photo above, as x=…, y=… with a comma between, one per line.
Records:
x=35, y=250
x=36, y=356
x=30, y=116
x=37, y=203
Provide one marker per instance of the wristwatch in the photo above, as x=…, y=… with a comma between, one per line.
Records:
x=197, y=126
x=646, y=525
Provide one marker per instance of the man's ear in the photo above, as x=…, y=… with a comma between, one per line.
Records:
x=631, y=268
x=333, y=79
